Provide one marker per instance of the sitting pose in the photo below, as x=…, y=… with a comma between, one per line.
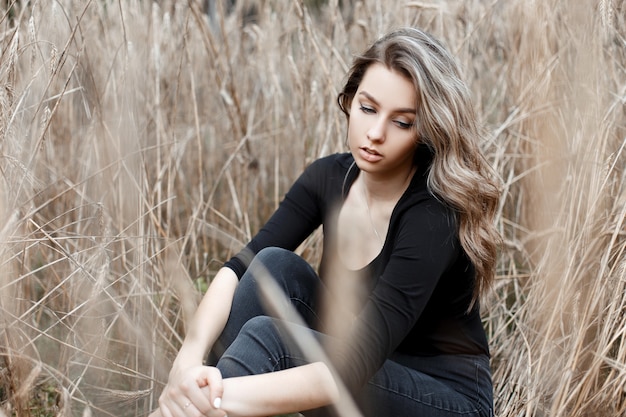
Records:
x=408, y=222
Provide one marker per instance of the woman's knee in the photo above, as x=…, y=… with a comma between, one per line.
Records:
x=273, y=252
x=268, y=261
x=258, y=348
x=274, y=259
x=284, y=265
x=260, y=327
x=295, y=277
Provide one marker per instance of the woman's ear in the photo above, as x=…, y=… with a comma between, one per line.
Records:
x=345, y=102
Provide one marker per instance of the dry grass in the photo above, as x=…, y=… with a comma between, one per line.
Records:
x=141, y=144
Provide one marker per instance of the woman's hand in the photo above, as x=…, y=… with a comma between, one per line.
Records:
x=196, y=391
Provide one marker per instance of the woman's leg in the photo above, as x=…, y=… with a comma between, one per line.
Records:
x=293, y=274
x=441, y=386
x=263, y=345
x=406, y=386
x=437, y=386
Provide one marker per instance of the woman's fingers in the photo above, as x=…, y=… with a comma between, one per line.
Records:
x=216, y=410
x=196, y=401
x=212, y=377
x=197, y=392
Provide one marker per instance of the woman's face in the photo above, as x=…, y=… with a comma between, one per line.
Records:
x=381, y=132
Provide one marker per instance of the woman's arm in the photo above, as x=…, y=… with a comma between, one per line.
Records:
x=209, y=319
x=298, y=215
x=289, y=391
x=297, y=389
x=186, y=376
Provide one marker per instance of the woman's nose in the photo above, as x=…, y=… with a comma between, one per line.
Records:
x=377, y=130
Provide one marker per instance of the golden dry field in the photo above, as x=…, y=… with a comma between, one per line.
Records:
x=142, y=143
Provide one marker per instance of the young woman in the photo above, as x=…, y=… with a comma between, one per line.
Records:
x=408, y=217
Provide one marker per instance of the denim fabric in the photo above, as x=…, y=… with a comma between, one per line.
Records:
x=254, y=343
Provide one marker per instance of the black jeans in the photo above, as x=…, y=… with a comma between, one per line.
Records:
x=254, y=343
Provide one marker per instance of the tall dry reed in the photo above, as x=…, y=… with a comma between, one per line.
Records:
x=142, y=143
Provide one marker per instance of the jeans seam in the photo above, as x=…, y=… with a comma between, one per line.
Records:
x=477, y=392
x=280, y=359
x=488, y=409
x=305, y=304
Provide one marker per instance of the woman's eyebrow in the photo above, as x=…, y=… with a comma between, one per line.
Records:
x=373, y=100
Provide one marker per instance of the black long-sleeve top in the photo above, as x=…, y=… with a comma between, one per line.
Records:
x=420, y=285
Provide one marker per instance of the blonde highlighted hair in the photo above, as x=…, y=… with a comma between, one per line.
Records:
x=446, y=123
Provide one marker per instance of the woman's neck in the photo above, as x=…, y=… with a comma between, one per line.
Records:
x=386, y=189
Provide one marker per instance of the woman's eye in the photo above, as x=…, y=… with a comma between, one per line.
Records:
x=367, y=110
x=403, y=125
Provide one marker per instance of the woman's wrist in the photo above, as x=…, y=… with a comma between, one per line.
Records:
x=195, y=347
x=186, y=359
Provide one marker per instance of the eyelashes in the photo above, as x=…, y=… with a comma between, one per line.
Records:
x=366, y=109
x=399, y=123
x=403, y=125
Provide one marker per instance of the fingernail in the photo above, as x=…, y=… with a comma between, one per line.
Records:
x=217, y=403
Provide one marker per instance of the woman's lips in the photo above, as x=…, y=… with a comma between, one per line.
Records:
x=370, y=155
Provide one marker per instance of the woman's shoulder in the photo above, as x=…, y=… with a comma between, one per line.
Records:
x=329, y=171
x=336, y=161
x=324, y=176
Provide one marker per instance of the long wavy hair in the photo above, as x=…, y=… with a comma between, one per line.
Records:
x=446, y=123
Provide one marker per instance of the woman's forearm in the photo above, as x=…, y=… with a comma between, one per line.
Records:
x=289, y=391
x=210, y=317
